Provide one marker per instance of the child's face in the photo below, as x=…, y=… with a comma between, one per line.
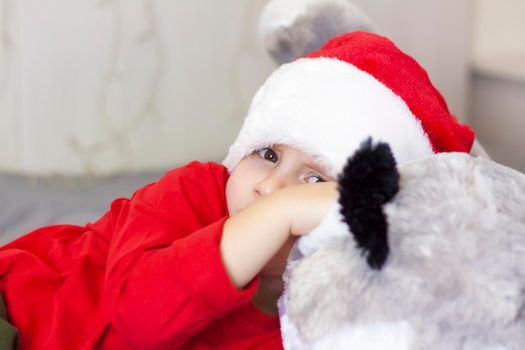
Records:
x=265, y=171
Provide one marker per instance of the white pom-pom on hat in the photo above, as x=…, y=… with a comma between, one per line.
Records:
x=292, y=28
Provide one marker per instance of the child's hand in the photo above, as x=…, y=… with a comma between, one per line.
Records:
x=308, y=204
x=252, y=236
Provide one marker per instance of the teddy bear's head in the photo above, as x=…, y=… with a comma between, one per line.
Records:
x=430, y=255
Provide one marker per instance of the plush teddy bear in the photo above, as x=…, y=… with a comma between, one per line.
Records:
x=428, y=255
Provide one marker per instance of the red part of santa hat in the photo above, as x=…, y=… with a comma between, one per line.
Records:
x=379, y=57
x=358, y=85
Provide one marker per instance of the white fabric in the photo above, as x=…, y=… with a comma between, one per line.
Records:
x=327, y=108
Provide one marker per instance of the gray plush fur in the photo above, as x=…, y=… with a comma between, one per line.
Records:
x=312, y=29
x=454, y=279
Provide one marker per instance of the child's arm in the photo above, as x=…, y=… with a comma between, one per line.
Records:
x=252, y=236
x=166, y=278
x=165, y=281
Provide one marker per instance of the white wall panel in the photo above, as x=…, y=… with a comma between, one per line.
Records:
x=105, y=86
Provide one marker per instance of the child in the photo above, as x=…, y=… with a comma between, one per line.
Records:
x=194, y=261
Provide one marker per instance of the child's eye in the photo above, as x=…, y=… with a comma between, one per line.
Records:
x=315, y=176
x=268, y=154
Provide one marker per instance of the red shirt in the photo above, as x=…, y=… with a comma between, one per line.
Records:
x=147, y=275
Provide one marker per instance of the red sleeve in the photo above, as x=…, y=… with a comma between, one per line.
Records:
x=165, y=278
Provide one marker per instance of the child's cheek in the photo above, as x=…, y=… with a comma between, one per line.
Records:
x=238, y=194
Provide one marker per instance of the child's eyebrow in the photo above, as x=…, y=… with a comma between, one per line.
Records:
x=316, y=168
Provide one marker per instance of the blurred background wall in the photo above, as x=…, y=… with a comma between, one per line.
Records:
x=98, y=87
x=497, y=80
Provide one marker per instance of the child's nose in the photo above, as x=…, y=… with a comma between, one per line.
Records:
x=269, y=184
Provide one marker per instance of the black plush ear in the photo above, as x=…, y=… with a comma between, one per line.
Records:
x=369, y=180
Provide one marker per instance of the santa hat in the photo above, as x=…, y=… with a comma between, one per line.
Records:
x=358, y=85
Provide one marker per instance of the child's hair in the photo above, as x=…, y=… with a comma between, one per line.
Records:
x=358, y=85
